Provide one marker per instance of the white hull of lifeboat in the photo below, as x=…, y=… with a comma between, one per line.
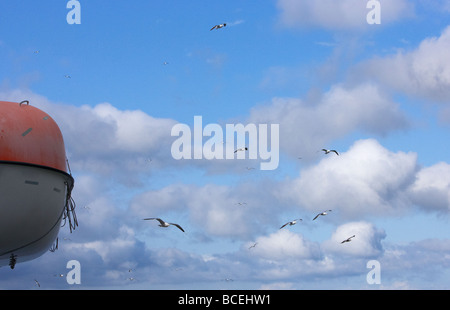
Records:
x=32, y=203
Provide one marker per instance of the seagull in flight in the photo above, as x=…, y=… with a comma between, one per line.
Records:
x=323, y=213
x=240, y=203
x=291, y=223
x=241, y=149
x=329, y=151
x=252, y=246
x=348, y=239
x=163, y=223
x=218, y=26
x=37, y=283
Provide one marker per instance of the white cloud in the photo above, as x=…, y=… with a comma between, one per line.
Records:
x=122, y=245
x=103, y=138
x=342, y=14
x=306, y=127
x=424, y=71
x=133, y=130
x=431, y=189
x=214, y=209
x=366, y=243
x=285, y=245
x=366, y=180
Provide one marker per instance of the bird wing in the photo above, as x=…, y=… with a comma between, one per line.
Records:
x=156, y=218
x=316, y=216
x=213, y=27
x=335, y=152
x=241, y=149
x=177, y=226
x=284, y=225
x=348, y=239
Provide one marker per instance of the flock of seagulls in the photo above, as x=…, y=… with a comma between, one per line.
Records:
x=243, y=149
x=299, y=219
x=326, y=151
x=165, y=224
x=293, y=222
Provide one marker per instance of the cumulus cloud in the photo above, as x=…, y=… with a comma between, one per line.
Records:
x=431, y=189
x=285, y=245
x=366, y=180
x=109, y=248
x=423, y=72
x=103, y=137
x=366, y=243
x=219, y=210
x=427, y=259
x=369, y=180
x=343, y=14
x=307, y=126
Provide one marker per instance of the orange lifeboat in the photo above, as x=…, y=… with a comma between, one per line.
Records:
x=35, y=186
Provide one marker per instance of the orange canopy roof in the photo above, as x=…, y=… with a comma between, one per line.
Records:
x=29, y=135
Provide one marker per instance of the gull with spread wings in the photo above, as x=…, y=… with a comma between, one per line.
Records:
x=218, y=26
x=329, y=151
x=348, y=239
x=322, y=213
x=163, y=223
x=291, y=223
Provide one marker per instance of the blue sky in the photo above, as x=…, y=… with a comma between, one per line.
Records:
x=377, y=93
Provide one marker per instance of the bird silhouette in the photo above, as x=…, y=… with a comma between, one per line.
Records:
x=163, y=223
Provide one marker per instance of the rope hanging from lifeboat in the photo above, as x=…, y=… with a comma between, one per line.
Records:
x=69, y=214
